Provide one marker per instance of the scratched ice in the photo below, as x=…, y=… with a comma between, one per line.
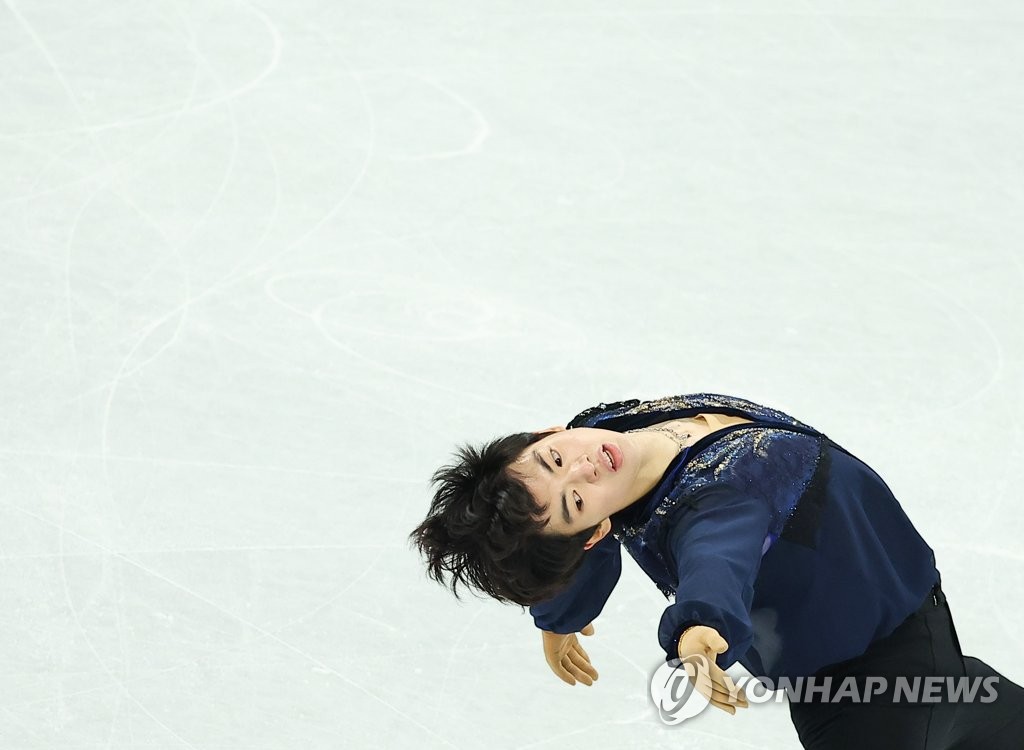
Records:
x=263, y=265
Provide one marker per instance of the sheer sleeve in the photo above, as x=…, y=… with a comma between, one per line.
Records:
x=571, y=609
x=717, y=548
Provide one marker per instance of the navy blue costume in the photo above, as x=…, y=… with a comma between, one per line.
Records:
x=793, y=549
x=801, y=557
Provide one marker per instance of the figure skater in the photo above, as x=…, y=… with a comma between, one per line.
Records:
x=782, y=551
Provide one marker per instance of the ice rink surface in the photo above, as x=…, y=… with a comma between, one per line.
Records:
x=263, y=265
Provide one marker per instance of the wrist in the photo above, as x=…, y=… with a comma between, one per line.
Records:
x=686, y=629
x=682, y=635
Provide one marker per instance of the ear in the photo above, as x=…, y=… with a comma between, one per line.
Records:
x=555, y=428
x=599, y=533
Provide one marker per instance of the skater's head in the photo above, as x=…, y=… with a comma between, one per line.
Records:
x=488, y=529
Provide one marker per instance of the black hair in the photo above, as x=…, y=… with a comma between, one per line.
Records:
x=484, y=528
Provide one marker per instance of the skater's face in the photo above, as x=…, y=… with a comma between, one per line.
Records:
x=582, y=476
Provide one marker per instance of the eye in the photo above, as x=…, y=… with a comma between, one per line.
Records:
x=556, y=457
x=579, y=501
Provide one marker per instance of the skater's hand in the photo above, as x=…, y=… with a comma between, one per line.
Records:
x=714, y=684
x=567, y=658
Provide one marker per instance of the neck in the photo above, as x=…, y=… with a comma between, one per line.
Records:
x=657, y=451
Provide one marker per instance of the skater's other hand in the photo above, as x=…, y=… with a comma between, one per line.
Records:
x=567, y=658
x=715, y=685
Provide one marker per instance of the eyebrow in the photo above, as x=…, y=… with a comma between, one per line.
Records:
x=565, y=503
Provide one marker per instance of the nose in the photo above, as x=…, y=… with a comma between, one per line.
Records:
x=583, y=468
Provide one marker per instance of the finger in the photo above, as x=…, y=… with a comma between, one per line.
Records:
x=583, y=651
x=555, y=663
x=730, y=694
x=563, y=674
x=713, y=683
x=577, y=674
x=724, y=707
x=583, y=663
x=588, y=629
x=579, y=669
x=716, y=698
x=726, y=688
x=727, y=699
x=735, y=691
x=702, y=681
x=717, y=643
x=718, y=692
x=579, y=654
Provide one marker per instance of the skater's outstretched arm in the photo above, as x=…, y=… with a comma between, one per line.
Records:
x=716, y=545
x=573, y=610
x=582, y=601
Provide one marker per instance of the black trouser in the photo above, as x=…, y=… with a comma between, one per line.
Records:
x=924, y=644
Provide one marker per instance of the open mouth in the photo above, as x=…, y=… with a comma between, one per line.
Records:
x=611, y=456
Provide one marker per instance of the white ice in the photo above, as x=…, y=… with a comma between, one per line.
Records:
x=263, y=265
